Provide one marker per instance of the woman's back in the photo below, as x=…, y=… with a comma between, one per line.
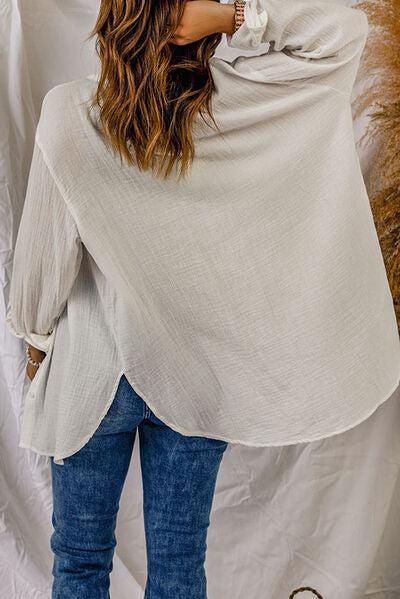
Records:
x=247, y=302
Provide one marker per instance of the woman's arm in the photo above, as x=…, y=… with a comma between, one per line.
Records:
x=47, y=257
x=38, y=356
x=204, y=17
x=308, y=38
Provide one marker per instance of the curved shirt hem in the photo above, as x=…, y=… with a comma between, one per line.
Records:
x=58, y=458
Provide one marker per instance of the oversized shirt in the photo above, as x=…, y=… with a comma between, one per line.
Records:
x=248, y=302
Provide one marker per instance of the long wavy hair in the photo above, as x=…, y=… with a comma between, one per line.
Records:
x=149, y=89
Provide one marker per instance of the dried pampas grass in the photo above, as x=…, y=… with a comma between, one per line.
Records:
x=380, y=99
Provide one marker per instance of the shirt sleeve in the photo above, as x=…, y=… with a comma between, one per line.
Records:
x=305, y=38
x=47, y=257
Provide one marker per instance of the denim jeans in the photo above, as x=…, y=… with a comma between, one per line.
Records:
x=179, y=474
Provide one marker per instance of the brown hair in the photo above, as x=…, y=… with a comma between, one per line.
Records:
x=149, y=90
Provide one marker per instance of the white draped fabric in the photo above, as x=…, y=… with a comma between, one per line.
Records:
x=324, y=515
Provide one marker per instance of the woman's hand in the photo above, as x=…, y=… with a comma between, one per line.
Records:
x=204, y=17
x=37, y=355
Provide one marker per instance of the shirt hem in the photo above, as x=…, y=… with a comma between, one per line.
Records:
x=58, y=458
x=310, y=439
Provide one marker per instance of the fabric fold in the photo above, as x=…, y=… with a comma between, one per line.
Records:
x=42, y=342
x=249, y=34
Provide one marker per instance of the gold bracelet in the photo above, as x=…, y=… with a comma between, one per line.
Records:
x=239, y=13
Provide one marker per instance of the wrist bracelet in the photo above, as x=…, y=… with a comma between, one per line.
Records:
x=30, y=360
x=239, y=13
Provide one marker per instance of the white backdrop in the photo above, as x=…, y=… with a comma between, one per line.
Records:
x=324, y=514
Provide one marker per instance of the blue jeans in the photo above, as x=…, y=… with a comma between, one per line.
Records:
x=179, y=474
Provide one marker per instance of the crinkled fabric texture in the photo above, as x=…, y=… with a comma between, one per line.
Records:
x=248, y=302
x=283, y=517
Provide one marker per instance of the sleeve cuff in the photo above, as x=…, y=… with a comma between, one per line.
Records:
x=42, y=342
x=250, y=33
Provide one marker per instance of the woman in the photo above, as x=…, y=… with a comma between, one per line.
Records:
x=196, y=260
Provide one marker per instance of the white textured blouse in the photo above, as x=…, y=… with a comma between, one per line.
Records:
x=248, y=302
